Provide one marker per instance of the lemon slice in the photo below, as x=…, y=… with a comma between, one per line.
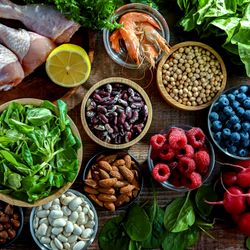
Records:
x=68, y=65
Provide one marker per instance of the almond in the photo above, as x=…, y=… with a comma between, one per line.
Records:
x=121, y=199
x=105, y=165
x=114, y=168
x=127, y=159
x=126, y=173
x=89, y=175
x=103, y=174
x=106, y=190
x=110, y=206
x=94, y=198
x=118, y=162
x=136, y=184
x=107, y=197
x=120, y=184
x=90, y=182
x=90, y=190
x=127, y=189
x=116, y=174
x=107, y=182
x=109, y=158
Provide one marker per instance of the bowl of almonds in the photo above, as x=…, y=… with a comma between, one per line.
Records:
x=191, y=76
x=112, y=179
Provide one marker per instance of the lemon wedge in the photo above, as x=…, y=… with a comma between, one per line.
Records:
x=68, y=65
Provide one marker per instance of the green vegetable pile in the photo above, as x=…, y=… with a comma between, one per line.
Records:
x=149, y=226
x=228, y=20
x=38, y=151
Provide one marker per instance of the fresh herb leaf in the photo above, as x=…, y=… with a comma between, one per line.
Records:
x=248, y=243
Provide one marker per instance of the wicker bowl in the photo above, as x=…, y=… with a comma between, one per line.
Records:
x=162, y=87
x=57, y=192
x=122, y=81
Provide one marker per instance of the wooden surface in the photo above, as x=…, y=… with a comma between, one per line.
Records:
x=226, y=236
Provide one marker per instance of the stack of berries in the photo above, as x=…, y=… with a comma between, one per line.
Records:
x=230, y=121
x=180, y=157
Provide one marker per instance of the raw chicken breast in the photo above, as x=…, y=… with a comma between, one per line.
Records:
x=11, y=72
x=31, y=49
x=42, y=19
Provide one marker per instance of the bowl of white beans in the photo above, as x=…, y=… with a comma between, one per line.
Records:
x=68, y=222
x=191, y=76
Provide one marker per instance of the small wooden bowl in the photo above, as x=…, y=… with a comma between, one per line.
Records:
x=162, y=87
x=134, y=86
x=56, y=193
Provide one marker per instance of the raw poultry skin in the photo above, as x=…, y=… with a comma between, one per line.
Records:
x=11, y=72
x=42, y=19
x=31, y=49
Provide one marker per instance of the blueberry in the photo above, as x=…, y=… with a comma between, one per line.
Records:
x=217, y=125
x=246, y=103
x=245, y=143
x=217, y=136
x=244, y=135
x=241, y=97
x=237, y=127
x=247, y=115
x=242, y=152
x=240, y=111
x=243, y=89
x=234, y=119
x=226, y=132
x=223, y=117
x=228, y=110
x=216, y=107
x=235, y=92
x=235, y=104
x=213, y=116
x=223, y=101
x=231, y=97
x=228, y=124
x=232, y=149
x=246, y=126
x=235, y=137
x=229, y=144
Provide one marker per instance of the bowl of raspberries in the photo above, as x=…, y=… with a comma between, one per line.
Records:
x=229, y=122
x=181, y=159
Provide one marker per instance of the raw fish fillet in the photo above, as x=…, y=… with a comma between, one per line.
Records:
x=31, y=49
x=40, y=18
x=11, y=72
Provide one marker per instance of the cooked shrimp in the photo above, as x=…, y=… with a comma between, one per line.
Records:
x=154, y=38
x=150, y=53
x=114, y=39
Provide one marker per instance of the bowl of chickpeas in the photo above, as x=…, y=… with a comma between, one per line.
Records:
x=191, y=76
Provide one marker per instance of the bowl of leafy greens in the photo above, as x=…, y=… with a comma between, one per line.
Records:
x=40, y=151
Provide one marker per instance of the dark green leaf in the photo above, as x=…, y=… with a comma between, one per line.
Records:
x=248, y=243
x=39, y=116
x=26, y=154
x=137, y=224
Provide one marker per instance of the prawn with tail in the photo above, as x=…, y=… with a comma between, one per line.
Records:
x=141, y=38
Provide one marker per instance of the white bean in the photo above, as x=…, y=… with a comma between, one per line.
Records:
x=56, y=230
x=42, y=229
x=67, y=200
x=56, y=202
x=66, y=246
x=44, y=220
x=90, y=224
x=35, y=222
x=61, y=222
x=62, y=238
x=53, y=246
x=42, y=213
x=77, y=230
x=72, y=238
x=58, y=243
x=47, y=206
x=69, y=227
x=79, y=245
x=55, y=214
x=73, y=217
x=66, y=211
x=45, y=240
x=87, y=233
x=81, y=218
x=75, y=203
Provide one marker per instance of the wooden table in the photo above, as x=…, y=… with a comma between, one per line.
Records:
x=163, y=116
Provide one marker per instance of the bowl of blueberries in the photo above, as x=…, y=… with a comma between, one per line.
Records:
x=229, y=122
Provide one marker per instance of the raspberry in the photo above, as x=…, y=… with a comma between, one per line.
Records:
x=166, y=153
x=196, y=137
x=186, y=165
x=175, y=178
x=157, y=141
x=177, y=138
x=173, y=164
x=154, y=154
x=202, y=160
x=161, y=172
x=186, y=151
x=193, y=181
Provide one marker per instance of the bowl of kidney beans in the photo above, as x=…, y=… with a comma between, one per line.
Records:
x=116, y=113
x=181, y=159
x=11, y=223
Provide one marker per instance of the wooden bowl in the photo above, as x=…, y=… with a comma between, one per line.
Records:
x=134, y=86
x=55, y=193
x=162, y=87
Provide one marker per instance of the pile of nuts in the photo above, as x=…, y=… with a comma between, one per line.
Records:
x=113, y=180
x=116, y=113
x=66, y=223
x=9, y=223
x=192, y=75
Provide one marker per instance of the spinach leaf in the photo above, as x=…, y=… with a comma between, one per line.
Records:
x=248, y=243
x=137, y=224
x=38, y=116
x=112, y=235
x=204, y=192
x=179, y=215
x=134, y=245
x=26, y=154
